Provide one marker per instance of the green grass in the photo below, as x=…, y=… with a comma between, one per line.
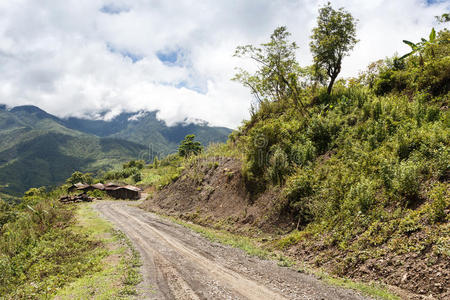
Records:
x=120, y=272
x=247, y=244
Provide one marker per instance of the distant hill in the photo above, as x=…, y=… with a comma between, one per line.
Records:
x=143, y=127
x=39, y=149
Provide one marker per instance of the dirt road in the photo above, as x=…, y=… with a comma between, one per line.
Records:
x=180, y=264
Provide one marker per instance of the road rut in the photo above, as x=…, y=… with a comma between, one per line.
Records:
x=180, y=264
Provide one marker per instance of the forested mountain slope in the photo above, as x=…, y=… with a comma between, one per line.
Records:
x=39, y=149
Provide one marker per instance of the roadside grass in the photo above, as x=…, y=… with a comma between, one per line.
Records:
x=119, y=274
x=255, y=247
x=224, y=237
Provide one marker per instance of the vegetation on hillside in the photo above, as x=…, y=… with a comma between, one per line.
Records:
x=363, y=168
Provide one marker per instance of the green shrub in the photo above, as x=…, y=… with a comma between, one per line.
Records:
x=441, y=202
x=302, y=153
x=77, y=177
x=390, y=80
x=97, y=194
x=433, y=114
x=189, y=147
x=362, y=195
x=138, y=164
x=171, y=159
x=298, y=190
x=406, y=181
x=278, y=166
x=137, y=177
x=319, y=133
x=435, y=77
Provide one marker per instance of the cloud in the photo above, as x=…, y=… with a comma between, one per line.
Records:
x=81, y=57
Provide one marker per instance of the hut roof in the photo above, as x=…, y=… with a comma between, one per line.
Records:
x=132, y=188
x=81, y=186
x=99, y=186
x=111, y=186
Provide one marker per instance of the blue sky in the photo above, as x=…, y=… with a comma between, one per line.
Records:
x=172, y=56
x=168, y=57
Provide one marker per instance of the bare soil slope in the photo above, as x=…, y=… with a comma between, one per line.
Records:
x=213, y=190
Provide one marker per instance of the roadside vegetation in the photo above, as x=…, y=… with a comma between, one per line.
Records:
x=46, y=246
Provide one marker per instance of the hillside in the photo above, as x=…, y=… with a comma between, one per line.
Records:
x=39, y=149
x=355, y=182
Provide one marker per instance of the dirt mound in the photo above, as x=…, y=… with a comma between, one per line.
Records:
x=212, y=192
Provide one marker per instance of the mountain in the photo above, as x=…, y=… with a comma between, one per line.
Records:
x=40, y=149
x=143, y=127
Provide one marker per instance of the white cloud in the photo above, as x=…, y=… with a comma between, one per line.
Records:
x=74, y=57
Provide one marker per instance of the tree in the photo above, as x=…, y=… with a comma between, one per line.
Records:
x=77, y=177
x=332, y=40
x=277, y=75
x=188, y=146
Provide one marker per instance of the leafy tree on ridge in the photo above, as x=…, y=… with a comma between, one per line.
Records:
x=332, y=39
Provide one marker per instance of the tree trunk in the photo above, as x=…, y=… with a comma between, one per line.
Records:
x=330, y=85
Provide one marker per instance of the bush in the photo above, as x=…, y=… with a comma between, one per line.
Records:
x=435, y=77
x=189, y=147
x=77, y=177
x=406, y=181
x=97, y=194
x=138, y=164
x=362, y=195
x=302, y=153
x=298, y=190
x=439, y=195
x=278, y=166
x=390, y=80
x=319, y=133
x=137, y=177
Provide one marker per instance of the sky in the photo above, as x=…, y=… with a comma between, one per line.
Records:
x=98, y=58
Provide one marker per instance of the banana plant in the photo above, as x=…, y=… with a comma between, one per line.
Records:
x=420, y=46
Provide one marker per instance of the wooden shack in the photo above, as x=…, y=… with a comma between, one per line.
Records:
x=124, y=192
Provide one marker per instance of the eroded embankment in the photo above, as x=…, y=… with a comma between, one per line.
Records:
x=213, y=192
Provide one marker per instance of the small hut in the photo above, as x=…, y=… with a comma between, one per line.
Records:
x=124, y=192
